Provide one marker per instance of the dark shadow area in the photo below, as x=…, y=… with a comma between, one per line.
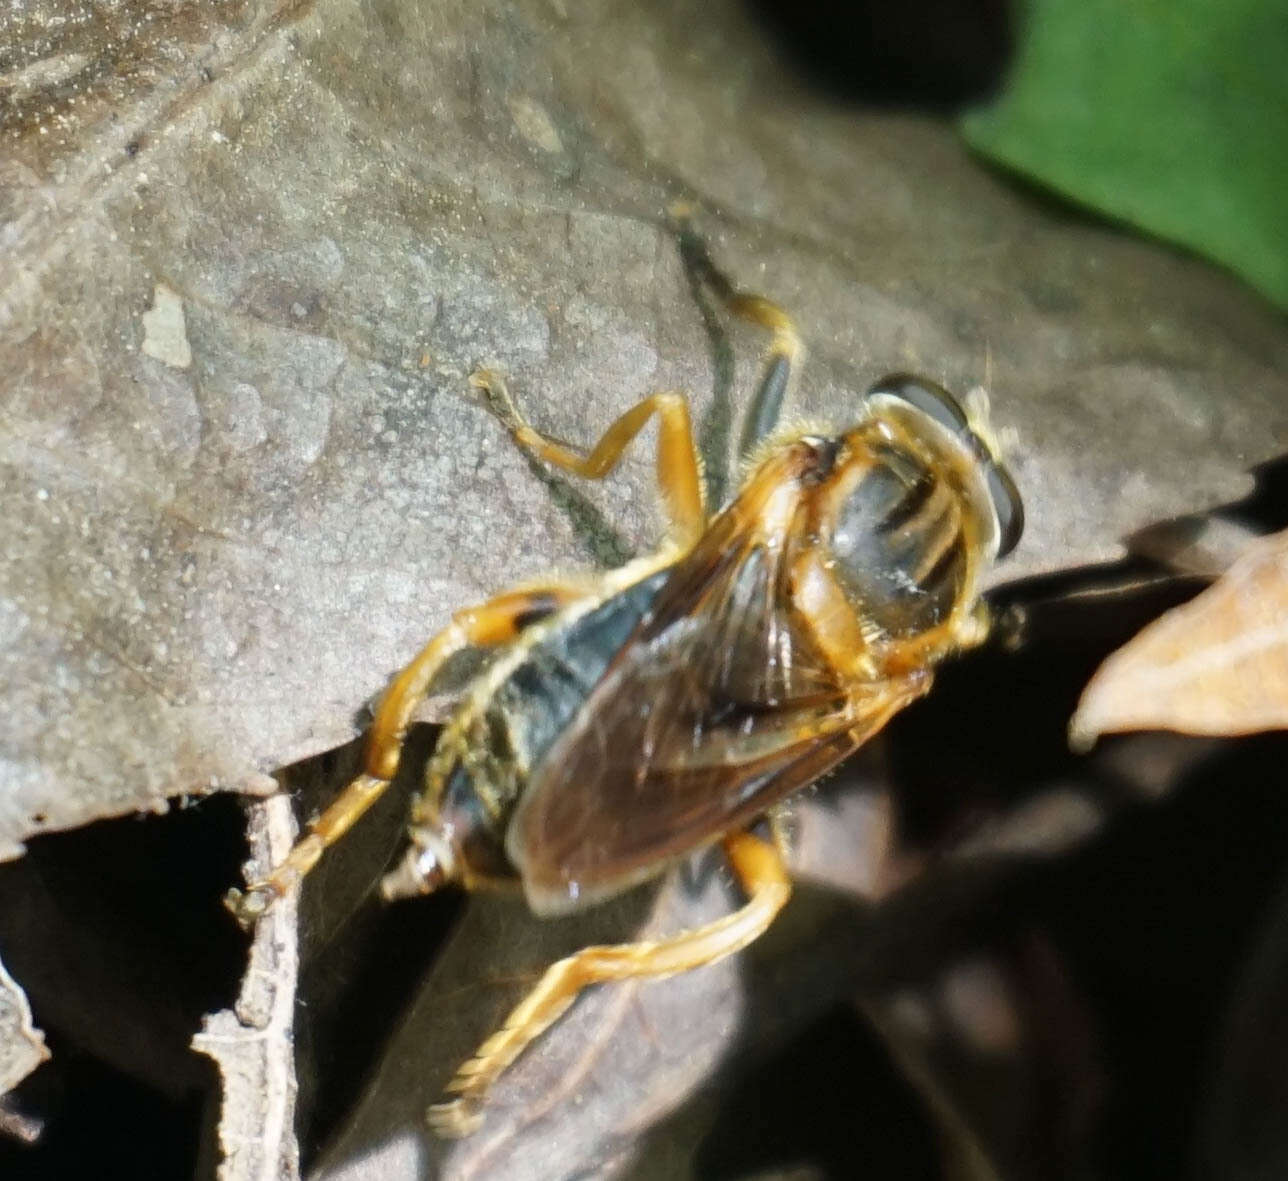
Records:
x=1154, y=923
x=1243, y=1132
x=117, y=933
x=993, y=730
x=1119, y=954
x=716, y=426
x=99, y=1122
x=379, y=978
x=354, y=993
x=1267, y=508
x=362, y=961
x=604, y=543
x=831, y=1102
x=934, y=55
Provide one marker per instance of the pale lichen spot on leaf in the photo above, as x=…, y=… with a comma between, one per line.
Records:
x=165, y=336
x=533, y=122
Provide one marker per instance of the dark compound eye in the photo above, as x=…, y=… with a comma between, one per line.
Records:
x=926, y=396
x=1008, y=506
x=939, y=405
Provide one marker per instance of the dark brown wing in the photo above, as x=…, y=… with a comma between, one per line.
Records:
x=719, y=706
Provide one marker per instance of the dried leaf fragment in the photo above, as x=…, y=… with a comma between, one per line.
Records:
x=252, y=1043
x=1216, y=665
x=22, y=1045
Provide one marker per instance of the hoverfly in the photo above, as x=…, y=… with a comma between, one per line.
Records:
x=629, y=720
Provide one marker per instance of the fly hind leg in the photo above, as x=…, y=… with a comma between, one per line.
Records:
x=489, y=624
x=679, y=474
x=763, y=878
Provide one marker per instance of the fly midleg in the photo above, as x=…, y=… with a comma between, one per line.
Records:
x=782, y=356
x=498, y=621
x=785, y=348
x=763, y=877
x=678, y=474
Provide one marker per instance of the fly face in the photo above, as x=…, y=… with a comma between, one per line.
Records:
x=970, y=443
x=918, y=507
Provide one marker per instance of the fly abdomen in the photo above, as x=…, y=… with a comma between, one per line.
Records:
x=485, y=769
x=543, y=693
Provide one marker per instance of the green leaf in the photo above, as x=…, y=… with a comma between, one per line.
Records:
x=1171, y=115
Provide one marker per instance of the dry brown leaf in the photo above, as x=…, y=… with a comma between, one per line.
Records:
x=1215, y=665
x=211, y=566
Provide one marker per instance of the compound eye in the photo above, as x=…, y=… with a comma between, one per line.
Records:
x=940, y=406
x=1007, y=505
x=932, y=400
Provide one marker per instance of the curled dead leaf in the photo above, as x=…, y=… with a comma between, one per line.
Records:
x=1216, y=665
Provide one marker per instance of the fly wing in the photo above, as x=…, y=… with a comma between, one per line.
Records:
x=716, y=708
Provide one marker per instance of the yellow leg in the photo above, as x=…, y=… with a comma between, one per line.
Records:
x=678, y=474
x=782, y=830
x=785, y=349
x=966, y=628
x=497, y=621
x=756, y=309
x=762, y=875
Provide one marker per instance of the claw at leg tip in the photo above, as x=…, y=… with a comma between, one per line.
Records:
x=454, y=1120
x=247, y=908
